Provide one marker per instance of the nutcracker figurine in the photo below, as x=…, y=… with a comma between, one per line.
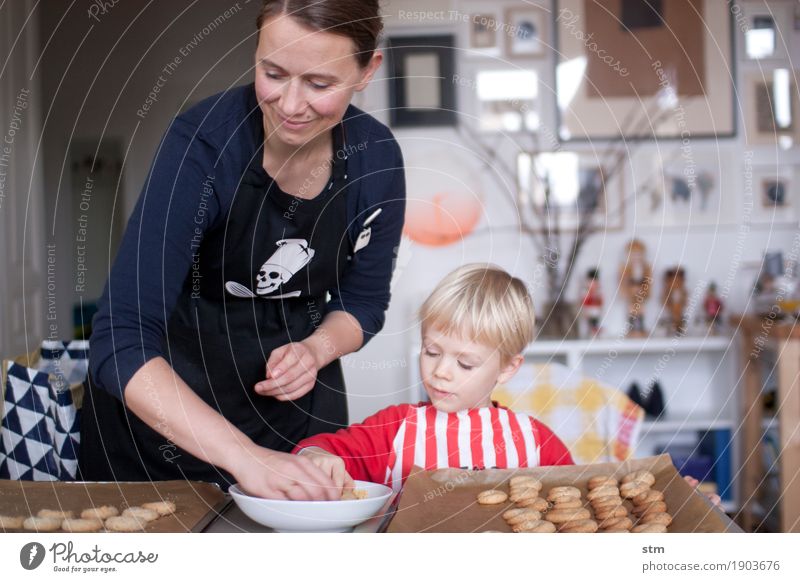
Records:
x=674, y=298
x=636, y=281
x=713, y=306
x=592, y=304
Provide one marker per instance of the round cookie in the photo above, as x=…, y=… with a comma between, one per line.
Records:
x=613, y=512
x=103, y=512
x=648, y=496
x=11, y=522
x=525, y=480
x=81, y=525
x=650, y=528
x=564, y=515
x=161, y=507
x=529, y=515
x=540, y=526
x=567, y=503
x=633, y=488
x=641, y=476
x=125, y=523
x=655, y=507
x=567, y=492
x=520, y=494
x=602, y=480
x=579, y=526
x=604, y=491
x=537, y=503
x=606, y=503
x=55, y=513
x=514, y=511
x=616, y=522
x=526, y=486
x=42, y=524
x=143, y=514
x=662, y=518
x=492, y=497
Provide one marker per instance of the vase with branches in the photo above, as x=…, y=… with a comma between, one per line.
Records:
x=541, y=220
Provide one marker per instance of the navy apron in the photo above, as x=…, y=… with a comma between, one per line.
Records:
x=264, y=274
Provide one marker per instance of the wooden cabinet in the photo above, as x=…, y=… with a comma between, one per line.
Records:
x=757, y=336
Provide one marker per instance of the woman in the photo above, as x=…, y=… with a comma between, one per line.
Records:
x=215, y=327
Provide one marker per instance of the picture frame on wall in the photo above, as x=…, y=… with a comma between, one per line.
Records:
x=774, y=194
x=652, y=70
x=772, y=106
x=479, y=30
x=526, y=31
x=497, y=96
x=566, y=182
x=421, y=73
x=697, y=187
x=482, y=32
x=764, y=30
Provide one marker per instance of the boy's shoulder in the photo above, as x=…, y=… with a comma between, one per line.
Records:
x=394, y=412
x=403, y=410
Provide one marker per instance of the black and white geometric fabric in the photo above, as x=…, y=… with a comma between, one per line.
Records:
x=67, y=361
x=40, y=427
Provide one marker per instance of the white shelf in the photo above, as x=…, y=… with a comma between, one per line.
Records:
x=629, y=345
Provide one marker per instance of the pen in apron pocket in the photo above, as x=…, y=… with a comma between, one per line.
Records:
x=366, y=231
x=372, y=217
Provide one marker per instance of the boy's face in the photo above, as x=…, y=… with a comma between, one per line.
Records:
x=459, y=374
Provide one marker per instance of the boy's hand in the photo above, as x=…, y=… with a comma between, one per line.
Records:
x=331, y=465
x=713, y=497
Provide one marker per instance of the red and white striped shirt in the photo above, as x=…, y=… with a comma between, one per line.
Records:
x=385, y=447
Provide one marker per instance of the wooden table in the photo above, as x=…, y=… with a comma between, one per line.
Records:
x=759, y=334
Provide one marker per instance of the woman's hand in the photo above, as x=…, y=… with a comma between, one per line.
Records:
x=291, y=372
x=713, y=497
x=270, y=474
x=333, y=466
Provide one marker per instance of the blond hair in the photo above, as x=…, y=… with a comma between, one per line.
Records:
x=482, y=303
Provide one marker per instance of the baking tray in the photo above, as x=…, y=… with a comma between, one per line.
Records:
x=444, y=500
x=198, y=503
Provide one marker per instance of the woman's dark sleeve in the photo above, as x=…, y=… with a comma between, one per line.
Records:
x=364, y=290
x=177, y=204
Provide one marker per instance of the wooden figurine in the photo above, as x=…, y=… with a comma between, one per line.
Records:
x=675, y=298
x=636, y=281
x=712, y=307
x=592, y=304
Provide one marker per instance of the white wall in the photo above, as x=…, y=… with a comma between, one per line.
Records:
x=724, y=254
x=97, y=74
x=22, y=244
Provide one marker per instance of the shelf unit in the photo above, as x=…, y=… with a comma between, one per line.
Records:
x=697, y=376
x=758, y=335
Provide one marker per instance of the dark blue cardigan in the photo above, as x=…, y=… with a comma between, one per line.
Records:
x=213, y=143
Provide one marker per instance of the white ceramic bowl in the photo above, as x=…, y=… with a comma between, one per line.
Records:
x=312, y=516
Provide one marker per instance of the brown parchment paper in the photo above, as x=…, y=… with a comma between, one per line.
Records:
x=195, y=502
x=445, y=500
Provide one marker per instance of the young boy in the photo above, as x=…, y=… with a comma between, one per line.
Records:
x=475, y=325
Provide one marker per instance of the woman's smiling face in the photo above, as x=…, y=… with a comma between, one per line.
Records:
x=305, y=79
